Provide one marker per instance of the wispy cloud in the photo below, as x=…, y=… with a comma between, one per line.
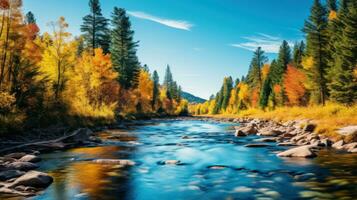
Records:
x=269, y=43
x=178, y=24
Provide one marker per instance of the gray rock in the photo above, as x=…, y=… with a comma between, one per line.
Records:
x=239, y=133
x=16, y=155
x=10, y=174
x=115, y=162
x=172, y=162
x=303, y=151
x=267, y=139
x=339, y=144
x=257, y=145
x=348, y=130
x=310, y=127
x=351, y=147
x=269, y=132
x=30, y=158
x=286, y=144
x=33, y=179
x=22, y=166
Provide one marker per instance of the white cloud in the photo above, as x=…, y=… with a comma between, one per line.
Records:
x=178, y=24
x=270, y=44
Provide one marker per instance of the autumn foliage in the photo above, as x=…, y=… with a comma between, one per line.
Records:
x=294, y=87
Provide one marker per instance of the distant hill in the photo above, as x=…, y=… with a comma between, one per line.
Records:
x=192, y=98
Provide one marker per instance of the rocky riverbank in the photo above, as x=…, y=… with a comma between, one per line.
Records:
x=17, y=170
x=299, y=134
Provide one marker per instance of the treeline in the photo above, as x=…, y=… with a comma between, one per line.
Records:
x=324, y=69
x=57, y=78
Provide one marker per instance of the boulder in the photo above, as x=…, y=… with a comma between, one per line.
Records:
x=309, y=127
x=33, y=179
x=267, y=139
x=257, y=145
x=303, y=151
x=269, y=132
x=248, y=130
x=16, y=155
x=239, y=133
x=351, y=147
x=30, y=158
x=348, y=130
x=10, y=174
x=115, y=162
x=22, y=166
x=338, y=145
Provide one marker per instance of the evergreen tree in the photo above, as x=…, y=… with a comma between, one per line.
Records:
x=278, y=68
x=226, y=91
x=156, y=89
x=254, y=77
x=30, y=18
x=265, y=93
x=332, y=5
x=123, y=50
x=317, y=40
x=95, y=28
x=179, y=94
x=298, y=53
x=343, y=86
x=236, y=82
x=168, y=83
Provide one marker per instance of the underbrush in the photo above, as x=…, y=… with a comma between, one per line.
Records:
x=329, y=118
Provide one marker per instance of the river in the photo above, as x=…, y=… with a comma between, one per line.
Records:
x=214, y=165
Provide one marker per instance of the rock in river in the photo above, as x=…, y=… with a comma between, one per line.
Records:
x=115, y=161
x=33, y=179
x=9, y=174
x=303, y=151
x=22, y=166
x=30, y=158
x=257, y=145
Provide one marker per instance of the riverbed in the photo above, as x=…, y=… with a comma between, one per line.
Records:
x=213, y=165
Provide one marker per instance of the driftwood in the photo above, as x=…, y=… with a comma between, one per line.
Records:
x=76, y=137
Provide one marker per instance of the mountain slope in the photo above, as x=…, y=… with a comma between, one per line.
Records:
x=192, y=98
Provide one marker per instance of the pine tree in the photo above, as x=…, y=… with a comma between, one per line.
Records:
x=123, y=50
x=30, y=18
x=317, y=41
x=298, y=53
x=254, y=77
x=226, y=91
x=95, y=28
x=168, y=83
x=343, y=86
x=156, y=89
x=265, y=93
x=278, y=69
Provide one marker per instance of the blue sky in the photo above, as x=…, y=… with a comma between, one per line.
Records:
x=202, y=40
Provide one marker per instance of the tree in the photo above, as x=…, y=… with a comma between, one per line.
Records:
x=59, y=56
x=254, y=77
x=298, y=53
x=226, y=91
x=95, y=28
x=316, y=30
x=343, y=85
x=265, y=93
x=156, y=90
x=169, y=83
x=294, y=88
x=278, y=69
x=145, y=94
x=123, y=50
x=30, y=18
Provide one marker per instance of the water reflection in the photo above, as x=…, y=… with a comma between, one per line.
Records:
x=216, y=165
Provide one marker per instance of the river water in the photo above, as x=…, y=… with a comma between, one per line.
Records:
x=214, y=165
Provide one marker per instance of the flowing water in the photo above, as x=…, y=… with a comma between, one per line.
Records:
x=214, y=165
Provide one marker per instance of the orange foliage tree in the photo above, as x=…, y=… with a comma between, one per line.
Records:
x=294, y=85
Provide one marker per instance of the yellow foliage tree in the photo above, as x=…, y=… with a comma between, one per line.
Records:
x=59, y=56
x=93, y=88
x=145, y=92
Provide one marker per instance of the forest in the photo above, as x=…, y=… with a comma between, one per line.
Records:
x=95, y=78
x=318, y=72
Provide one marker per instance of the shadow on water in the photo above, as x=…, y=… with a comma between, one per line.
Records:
x=214, y=165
